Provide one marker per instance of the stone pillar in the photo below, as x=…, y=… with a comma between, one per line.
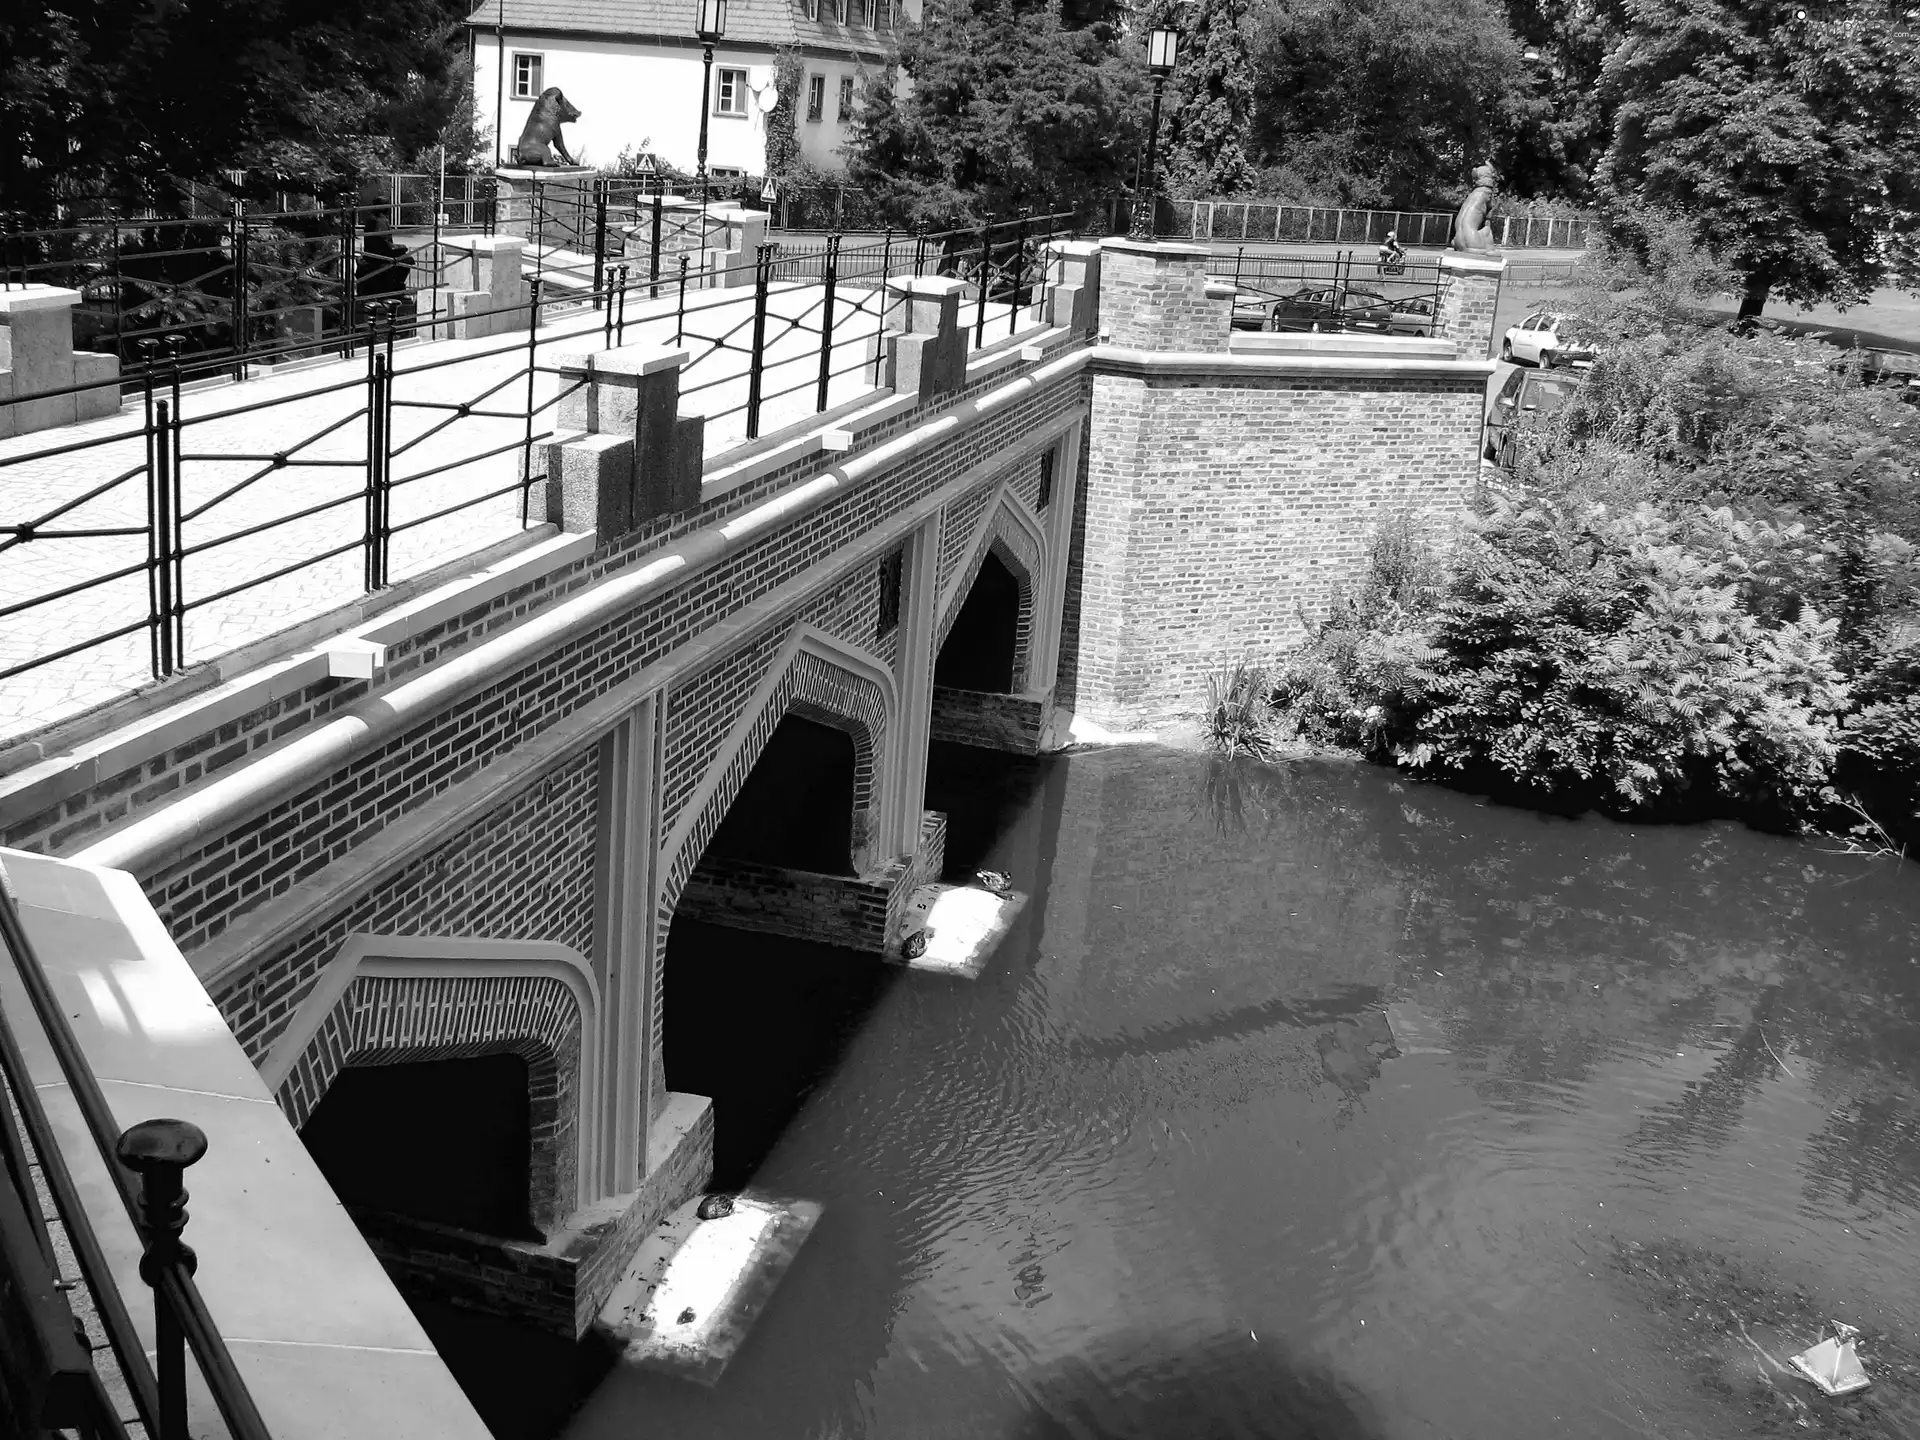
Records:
x=37, y=355
x=482, y=292
x=1073, y=284
x=1154, y=296
x=1469, y=296
x=927, y=356
x=622, y=454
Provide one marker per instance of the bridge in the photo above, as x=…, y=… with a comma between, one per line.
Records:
x=393, y=860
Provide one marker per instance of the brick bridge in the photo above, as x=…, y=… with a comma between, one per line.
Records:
x=462, y=828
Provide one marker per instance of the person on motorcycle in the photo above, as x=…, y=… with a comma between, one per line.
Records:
x=1392, y=255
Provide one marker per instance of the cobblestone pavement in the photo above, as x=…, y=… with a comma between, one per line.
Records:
x=273, y=478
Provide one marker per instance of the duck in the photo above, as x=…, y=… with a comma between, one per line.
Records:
x=915, y=945
x=715, y=1207
x=998, y=881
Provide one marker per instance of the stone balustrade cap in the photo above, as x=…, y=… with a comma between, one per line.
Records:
x=625, y=365
x=1082, y=249
x=934, y=286
x=21, y=298
x=1221, y=289
x=1482, y=262
x=1154, y=249
x=484, y=244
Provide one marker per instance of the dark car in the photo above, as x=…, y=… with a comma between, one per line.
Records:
x=1327, y=307
x=1525, y=392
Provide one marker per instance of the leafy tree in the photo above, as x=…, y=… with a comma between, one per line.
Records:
x=120, y=101
x=1207, y=121
x=783, y=130
x=1386, y=102
x=1006, y=109
x=1783, y=129
x=1561, y=127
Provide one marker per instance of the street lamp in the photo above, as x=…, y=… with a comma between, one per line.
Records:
x=1162, y=48
x=710, y=26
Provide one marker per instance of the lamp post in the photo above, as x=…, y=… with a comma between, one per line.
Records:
x=710, y=26
x=1162, y=47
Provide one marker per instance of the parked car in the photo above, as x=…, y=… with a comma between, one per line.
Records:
x=1412, y=316
x=1524, y=392
x=1898, y=370
x=1250, y=309
x=1550, y=339
x=1326, y=307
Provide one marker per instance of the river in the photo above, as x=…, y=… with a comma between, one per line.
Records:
x=1306, y=1101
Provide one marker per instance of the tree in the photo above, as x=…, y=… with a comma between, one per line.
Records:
x=1381, y=102
x=1785, y=130
x=1562, y=127
x=1208, y=120
x=783, y=130
x=1007, y=110
x=119, y=101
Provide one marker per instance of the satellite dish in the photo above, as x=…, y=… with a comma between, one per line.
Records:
x=767, y=99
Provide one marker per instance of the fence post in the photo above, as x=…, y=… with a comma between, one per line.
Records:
x=159, y=579
x=986, y=268
x=349, y=277
x=118, y=306
x=379, y=384
x=653, y=257
x=1019, y=273
x=680, y=311
x=599, y=240
x=831, y=278
x=756, y=364
x=533, y=361
x=159, y=1152
x=238, y=233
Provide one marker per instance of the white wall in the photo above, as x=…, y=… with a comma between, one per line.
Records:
x=648, y=97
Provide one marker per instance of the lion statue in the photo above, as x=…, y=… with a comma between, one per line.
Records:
x=542, y=135
x=1471, y=227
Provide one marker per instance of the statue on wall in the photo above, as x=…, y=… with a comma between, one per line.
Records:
x=542, y=135
x=1472, y=225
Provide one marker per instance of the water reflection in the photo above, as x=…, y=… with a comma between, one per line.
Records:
x=1372, y=1071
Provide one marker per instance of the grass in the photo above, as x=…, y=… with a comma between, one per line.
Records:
x=1239, y=718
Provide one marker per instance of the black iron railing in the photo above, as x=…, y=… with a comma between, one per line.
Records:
x=201, y=497
x=50, y=1367
x=1343, y=291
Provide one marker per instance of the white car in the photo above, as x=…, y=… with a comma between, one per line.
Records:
x=1548, y=339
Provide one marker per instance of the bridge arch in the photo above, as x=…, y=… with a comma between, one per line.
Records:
x=392, y=1000
x=819, y=678
x=1011, y=542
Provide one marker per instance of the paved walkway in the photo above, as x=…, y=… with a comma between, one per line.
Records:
x=273, y=474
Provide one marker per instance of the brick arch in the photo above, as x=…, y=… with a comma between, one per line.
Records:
x=1013, y=535
x=387, y=1000
x=818, y=679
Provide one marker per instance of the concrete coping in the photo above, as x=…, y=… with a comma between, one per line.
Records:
x=1385, y=347
x=930, y=285
x=1473, y=263
x=484, y=244
x=1155, y=249
x=21, y=299
x=624, y=366
x=1221, y=289
x=1079, y=249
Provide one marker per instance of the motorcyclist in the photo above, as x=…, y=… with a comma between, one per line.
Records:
x=1392, y=255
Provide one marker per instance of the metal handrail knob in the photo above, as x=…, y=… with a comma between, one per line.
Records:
x=159, y=1151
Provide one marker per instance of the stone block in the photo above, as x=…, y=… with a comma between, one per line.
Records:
x=589, y=486
x=928, y=354
x=1073, y=284
x=36, y=352
x=1154, y=296
x=102, y=374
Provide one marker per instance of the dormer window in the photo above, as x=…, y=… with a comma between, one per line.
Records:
x=812, y=7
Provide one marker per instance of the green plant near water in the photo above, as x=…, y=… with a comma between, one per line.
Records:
x=1239, y=716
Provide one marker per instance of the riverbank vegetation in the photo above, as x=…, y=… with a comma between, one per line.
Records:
x=1695, y=594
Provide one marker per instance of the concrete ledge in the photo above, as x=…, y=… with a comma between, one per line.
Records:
x=1399, y=347
x=1473, y=261
x=989, y=721
x=1169, y=364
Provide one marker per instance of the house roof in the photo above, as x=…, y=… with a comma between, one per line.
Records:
x=751, y=23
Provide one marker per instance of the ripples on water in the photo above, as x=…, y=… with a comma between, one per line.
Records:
x=1319, y=1119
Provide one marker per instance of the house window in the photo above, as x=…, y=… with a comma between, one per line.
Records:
x=846, y=98
x=730, y=92
x=816, y=96
x=863, y=12
x=1046, y=481
x=840, y=11
x=890, y=573
x=812, y=7
x=528, y=73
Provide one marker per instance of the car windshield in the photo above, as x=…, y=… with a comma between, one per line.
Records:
x=1545, y=394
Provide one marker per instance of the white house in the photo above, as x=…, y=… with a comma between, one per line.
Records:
x=632, y=68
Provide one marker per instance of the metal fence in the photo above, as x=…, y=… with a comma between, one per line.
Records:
x=1256, y=220
x=51, y=1369
x=1343, y=291
x=191, y=509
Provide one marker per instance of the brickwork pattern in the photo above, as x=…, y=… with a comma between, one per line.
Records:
x=65, y=825
x=1015, y=550
x=1465, y=315
x=988, y=722
x=523, y=872
x=1158, y=300
x=1220, y=512
x=1066, y=680
x=959, y=523
x=195, y=893
x=389, y=1020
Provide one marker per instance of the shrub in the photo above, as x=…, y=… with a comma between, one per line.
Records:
x=1239, y=719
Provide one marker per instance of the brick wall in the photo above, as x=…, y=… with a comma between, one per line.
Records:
x=989, y=721
x=1219, y=509
x=1469, y=298
x=1153, y=296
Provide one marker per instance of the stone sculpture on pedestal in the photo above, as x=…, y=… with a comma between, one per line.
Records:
x=1472, y=227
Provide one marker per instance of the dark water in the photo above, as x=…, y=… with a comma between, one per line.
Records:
x=1313, y=1105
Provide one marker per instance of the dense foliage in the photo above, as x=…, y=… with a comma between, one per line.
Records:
x=109, y=100
x=1696, y=594
x=1785, y=131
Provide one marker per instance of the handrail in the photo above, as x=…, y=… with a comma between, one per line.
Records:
x=154, y=1209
